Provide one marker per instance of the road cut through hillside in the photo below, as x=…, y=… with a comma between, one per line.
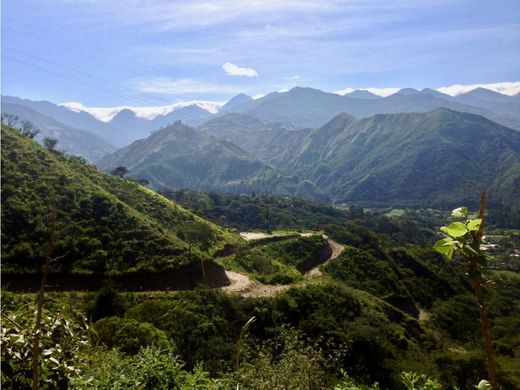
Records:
x=244, y=286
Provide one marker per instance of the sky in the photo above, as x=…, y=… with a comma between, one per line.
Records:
x=107, y=53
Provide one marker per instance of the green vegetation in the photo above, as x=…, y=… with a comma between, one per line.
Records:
x=104, y=224
x=246, y=212
x=361, y=270
x=387, y=313
x=384, y=159
x=178, y=156
x=281, y=262
x=302, y=337
x=465, y=239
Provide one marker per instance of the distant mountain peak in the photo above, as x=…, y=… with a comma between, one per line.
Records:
x=407, y=91
x=303, y=89
x=126, y=112
x=241, y=97
x=362, y=94
x=480, y=91
x=236, y=101
x=433, y=92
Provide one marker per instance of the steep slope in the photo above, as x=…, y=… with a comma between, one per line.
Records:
x=263, y=139
x=104, y=224
x=70, y=140
x=307, y=107
x=439, y=157
x=182, y=157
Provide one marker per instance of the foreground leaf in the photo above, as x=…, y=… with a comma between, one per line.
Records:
x=445, y=247
x=456, y=229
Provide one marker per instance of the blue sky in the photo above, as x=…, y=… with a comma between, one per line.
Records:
x=135, y=52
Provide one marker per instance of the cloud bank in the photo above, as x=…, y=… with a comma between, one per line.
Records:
x=106, y=114
x=507, y=88
x=234, y=70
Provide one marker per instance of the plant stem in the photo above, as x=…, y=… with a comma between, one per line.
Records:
x=486, y=333
x=41, y=294
x=480, y=299
x=203, y=270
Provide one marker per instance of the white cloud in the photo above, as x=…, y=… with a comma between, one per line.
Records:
x=376, y=91
x=295, y=77
x=234, y=70
x=106, y=114
x=344, y=91
x=166, y=86
x=507, y=88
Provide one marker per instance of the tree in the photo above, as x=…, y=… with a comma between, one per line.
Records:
x=120, y=171
x=50, y=143
x=197, y=234
x=36, y=350
x=464, y=238
x=10, y=120
x=267, y=218
x=29, y=130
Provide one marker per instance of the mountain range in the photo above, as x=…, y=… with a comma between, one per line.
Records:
x=298, y=107
x=412, y=147
x=437, y=158
x=307, y=107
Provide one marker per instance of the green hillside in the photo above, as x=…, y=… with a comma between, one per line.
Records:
x=104, y=224
x=438, y=158
x=181, y=157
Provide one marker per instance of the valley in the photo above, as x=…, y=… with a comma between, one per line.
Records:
x=351, y=281
x=260, y=195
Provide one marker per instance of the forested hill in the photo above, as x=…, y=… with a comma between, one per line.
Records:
x=439, y=158
x=179, y=156
x=104, y=224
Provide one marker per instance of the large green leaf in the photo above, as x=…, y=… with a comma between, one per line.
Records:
x=445, y=246
x=460, y=212
x=474, y=224
x=456, y=229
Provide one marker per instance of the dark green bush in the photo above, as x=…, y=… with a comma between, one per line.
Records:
x=129, y=335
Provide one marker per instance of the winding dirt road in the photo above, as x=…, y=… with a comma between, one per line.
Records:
x=245, y=286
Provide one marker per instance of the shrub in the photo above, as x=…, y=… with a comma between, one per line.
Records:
x=128, y=335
